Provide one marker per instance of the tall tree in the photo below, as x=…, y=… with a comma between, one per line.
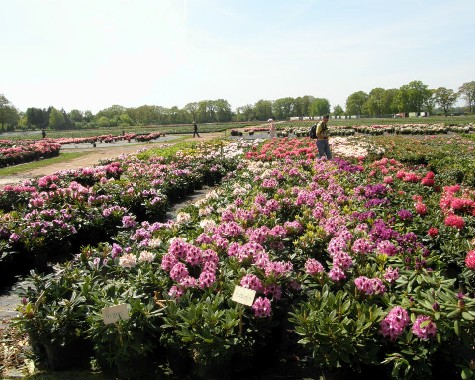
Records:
x=445, y=98
x=263, y=110
x=192, y=109
x=338, y=111
x=8, y=113
x=283, y=108
x=319, y=107
x=375, y=104
x=414, y=96
x=37, y=117
x=56, y=119
x=355, y=102
x=245, y=113
x=467, y=91
x=223, y=110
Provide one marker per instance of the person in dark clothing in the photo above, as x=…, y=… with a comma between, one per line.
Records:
x=195, y=130
x=43, y=133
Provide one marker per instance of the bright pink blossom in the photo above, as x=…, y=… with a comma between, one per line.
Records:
x=470, y=259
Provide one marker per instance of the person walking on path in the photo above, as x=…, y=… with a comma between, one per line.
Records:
x=195, y=130
x=323, y=145
x=272, y=129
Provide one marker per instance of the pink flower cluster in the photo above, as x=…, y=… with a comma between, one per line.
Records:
x=183, y=257
x=470, y=260
x=424, y=328
x=262, y=307
x=393, y=325
x=391, y=275
x=313, y=267
x=370, y=286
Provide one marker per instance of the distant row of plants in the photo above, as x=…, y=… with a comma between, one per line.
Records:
x=361, y=266
x=301, y=129
x=15, y=153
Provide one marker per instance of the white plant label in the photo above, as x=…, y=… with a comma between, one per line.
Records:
x=243, y=295
x=115, y=313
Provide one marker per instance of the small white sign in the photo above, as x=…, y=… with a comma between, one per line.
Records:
x=243, y=295
x=115, y=313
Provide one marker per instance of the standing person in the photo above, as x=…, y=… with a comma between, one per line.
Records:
x=195, y=130
x=271, y=128
x=323, y=145
x=43, y=133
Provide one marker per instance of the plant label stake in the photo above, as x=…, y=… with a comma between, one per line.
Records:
x=243, y=296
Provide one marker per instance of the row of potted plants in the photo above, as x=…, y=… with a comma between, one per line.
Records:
x=355, y=265
x=398, y=129
x=55, y=214
x=21, y=152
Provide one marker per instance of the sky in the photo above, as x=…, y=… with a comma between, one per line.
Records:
x=92, y=54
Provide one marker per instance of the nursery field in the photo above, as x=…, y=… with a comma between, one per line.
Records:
x=287, y=267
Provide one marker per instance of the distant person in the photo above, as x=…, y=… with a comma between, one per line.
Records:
x=195, y=130
x=323, y=134
x=272, y=129
x=43, y=133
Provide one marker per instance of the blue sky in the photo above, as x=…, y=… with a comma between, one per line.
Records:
x=91, y=54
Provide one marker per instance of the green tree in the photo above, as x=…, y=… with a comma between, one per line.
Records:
x=223, y=110
x=355, y=102
x=37, y=117
x=125, y=120
x=111, y=112
x=245, y=113
x=445, y=98
x=76, y=116
x=192, y=109
x=390, y=103
x=9, y=115
x=263, y=110
x=338, y=111
x=467, y=91
x=413, y=97
x=103, y=122
x=375, y=104
x=283, y=108
x=319, y=107
x=302, y=105
x=56, y=119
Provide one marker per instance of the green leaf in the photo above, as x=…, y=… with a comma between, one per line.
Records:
x=456, y=327
x=466, y=373
x=467, y=316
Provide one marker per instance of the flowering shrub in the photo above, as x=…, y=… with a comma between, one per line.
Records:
x=352, y=263
x=26, y=151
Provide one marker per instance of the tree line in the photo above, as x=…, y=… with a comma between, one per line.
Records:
x=412, y=97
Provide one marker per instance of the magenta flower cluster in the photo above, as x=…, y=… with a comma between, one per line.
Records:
x=393, y=325
x=370, y=286
x=183, y=257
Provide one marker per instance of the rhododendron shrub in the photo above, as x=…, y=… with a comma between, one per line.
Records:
x=344, y=266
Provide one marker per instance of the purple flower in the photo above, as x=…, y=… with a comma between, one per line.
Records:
x=262, y=307
x=405, y=214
